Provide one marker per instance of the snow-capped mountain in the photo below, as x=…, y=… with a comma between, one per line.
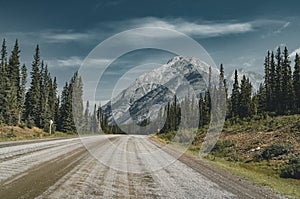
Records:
x=185, y=76
x=255, y=78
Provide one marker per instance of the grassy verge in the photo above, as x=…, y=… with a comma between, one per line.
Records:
x=261, y=150
x=13, y=133
x=261, y=176
x=257, y=173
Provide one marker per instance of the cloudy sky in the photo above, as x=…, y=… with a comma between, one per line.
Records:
x=235, y=33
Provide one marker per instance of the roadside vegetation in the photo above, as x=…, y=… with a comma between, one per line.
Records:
x=15, y=133
x=28, y=112
x=265, y=151
x=261, y=135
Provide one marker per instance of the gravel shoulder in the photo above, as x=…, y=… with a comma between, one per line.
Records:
x=235, y=184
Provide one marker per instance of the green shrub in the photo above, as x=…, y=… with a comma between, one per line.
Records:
x=292, y=169
x=275, y=150
x=11, y=134
x=169, y=136
x=223, y=148
x=257, y=157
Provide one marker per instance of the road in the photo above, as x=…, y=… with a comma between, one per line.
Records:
x=113, y=166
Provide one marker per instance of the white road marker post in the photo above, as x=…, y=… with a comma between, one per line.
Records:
x=51, y=122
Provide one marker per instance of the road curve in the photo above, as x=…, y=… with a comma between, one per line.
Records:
x=114, y=166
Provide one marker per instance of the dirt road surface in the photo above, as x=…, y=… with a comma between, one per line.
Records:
x=114, y=166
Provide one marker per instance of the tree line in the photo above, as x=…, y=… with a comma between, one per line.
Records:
x=279, y=94
x=40, y=103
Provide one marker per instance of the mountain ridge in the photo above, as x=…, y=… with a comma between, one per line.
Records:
x=183, y=75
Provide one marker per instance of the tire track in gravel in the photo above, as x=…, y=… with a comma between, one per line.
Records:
x=21, y=164
x=85, y=179
x=141, y=182
x=122, y=181
x=171, y=176
x=109, y=181
x=151, y=159
x=37, y=179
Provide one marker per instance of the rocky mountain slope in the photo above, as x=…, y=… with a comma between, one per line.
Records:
x=183, y=76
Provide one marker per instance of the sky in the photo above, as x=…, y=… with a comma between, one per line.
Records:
x=235, y=33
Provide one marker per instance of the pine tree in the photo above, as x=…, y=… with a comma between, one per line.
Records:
x=63, y=123
x=13, y=74
x=22, y=92
x=67, y=123
x=57, y=117
x=4, y=53
x=94, y=121
x=271, y=103
x=268, y=82
x=245, y=98
x=53, y=101
x=3, y=82
x=261, y=100
x=278, y=89
x=235, y=96
x=45, y=89
x=106, y=128
x=86, y=118
x=287, y=84
x=32, y=102
x=222, y=92
x=99, y=117
x=296, y=83
x=201, y=112
x=77, y=103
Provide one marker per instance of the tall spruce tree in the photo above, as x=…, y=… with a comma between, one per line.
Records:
x=4, y=81
x=99, y=117
x=32, y=104
x=45, y=89
x=287, y=84
x=222, y=91
x=22, y=92
x=86, y=118
x=296, y=83
x=77, y=103
x=261, y=99
x=67, y=123
x=245, y=98
x=13, y=74
x=94, y=121
x=268, y=83
x=201, y=111
x=271, y=103
x=235, y=96
x=278, y=77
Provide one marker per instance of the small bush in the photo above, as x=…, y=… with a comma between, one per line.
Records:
x=167, y=136
x=11, y=134
x=292, y=169
x=223, y=148
x=257, y=157
x=275, y=150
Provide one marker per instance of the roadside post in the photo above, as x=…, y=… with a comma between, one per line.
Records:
x=51, y=122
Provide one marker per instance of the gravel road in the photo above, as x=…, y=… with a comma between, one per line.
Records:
x=114, y=166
